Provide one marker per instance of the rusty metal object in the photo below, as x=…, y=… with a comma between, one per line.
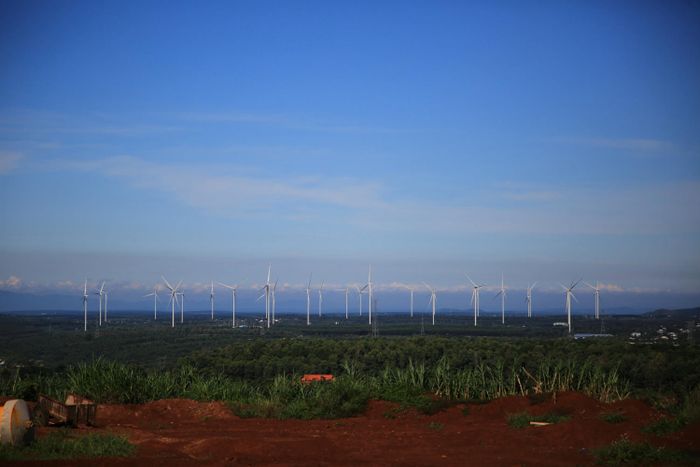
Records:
x=16, y=427
x=75, y=411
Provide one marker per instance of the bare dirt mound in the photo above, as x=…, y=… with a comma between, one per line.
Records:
x=183, y=432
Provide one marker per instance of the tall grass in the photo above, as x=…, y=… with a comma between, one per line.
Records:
x=285, y=396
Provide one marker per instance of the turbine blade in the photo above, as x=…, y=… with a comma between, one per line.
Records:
x=166, y=282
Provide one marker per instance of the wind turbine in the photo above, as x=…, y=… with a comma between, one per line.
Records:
x=308, y=301
x=274, y=289
x=182, y=306
x=100, y=293
x=154, y=294
x=528, y=299
x=211, y=300
x=502, y=294
x=369, y=290
x=85, y=303
x=347, y=290
x=597, y=298
x=266, y=294
x=433, y=299
x=359, y=296
x=569, y=294
x=475, y=298
x=320, y=299
x=173, y=298
x=233, y=289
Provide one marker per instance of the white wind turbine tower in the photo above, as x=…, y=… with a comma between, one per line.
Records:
x=100, y=293
x=347, y=291
x=233, y=289
x=475, y=298
x=502, y=294
x=154, y=294
x=528, y=299
x=569, y=294
x=433, y=299
x=320, y=299
x=359, y=296
x=211, y=300
x=597, y=298
x=274, y=301
x=85, y=300
x=173, y=298
x=182, y=306
x=369, y=294
x=308, y=301
x=266, y=295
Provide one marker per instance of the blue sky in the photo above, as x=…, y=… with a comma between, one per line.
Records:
x=547, y=140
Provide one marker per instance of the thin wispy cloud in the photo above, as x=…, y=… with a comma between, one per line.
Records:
x=9, y=161
x=220, y=190
x=279, y=120
x=40, y=122
x=639, y=145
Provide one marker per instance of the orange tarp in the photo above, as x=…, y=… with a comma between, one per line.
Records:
x=312, y=378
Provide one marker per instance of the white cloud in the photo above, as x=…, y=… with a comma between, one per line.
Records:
x=12, y=282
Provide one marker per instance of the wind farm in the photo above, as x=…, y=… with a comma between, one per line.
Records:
x=332, y=233
x=270, y=318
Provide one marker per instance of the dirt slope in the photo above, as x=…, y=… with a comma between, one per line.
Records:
x=183, y=432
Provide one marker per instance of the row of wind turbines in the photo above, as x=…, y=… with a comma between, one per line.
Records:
x=177, y=297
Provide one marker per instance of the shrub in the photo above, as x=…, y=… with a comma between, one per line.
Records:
x=613, y=417
x=623, y=451
x=61, y=445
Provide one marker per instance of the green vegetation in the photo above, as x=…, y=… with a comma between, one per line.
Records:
x=523, y=419
x=682, y=415
x=290, y=398
x=257, y=371
x=613, y=417
x=62, y=445
x=625, y=451
x=427, y=390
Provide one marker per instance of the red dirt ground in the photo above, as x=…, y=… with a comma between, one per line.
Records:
x=182, y=432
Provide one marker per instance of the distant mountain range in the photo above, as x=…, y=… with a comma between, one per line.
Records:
x=686, y=313
x=549, y=304
x=16, y=301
